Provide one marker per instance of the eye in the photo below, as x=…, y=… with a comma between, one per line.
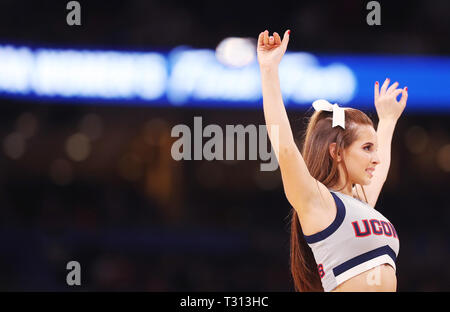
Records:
x=367, y=147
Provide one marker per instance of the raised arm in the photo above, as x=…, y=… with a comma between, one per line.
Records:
x=389, y=111
x=299, y=186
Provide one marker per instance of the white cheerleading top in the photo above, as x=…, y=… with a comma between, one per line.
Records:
x=359, y=239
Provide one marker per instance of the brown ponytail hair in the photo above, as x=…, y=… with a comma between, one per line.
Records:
x=317, y=138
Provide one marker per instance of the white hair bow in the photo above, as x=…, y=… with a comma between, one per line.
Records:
x=338, y=112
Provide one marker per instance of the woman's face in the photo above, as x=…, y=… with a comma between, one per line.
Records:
x=361, y=157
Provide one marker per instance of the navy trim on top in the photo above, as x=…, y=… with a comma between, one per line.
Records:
x=340, y=215
x=347, y=265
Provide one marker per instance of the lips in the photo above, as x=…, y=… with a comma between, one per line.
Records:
x=370, y=171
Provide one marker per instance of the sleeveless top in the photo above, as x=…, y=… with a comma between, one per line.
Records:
x=359, y=239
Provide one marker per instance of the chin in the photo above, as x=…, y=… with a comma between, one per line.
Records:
x=366, y=181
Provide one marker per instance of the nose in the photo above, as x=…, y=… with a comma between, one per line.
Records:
x=376, y=159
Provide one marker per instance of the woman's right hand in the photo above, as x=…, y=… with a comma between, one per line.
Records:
x=271, y=49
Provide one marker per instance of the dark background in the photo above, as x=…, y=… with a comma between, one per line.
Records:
x=136, y=219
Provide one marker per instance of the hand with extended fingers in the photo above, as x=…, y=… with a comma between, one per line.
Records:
x=271, y=49
x=386, y=102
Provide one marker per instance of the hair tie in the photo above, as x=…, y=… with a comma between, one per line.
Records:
x=338, y=112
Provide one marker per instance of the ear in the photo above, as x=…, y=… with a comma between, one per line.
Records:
x=332, y=150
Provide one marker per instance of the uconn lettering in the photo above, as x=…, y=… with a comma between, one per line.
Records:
x=375, y=227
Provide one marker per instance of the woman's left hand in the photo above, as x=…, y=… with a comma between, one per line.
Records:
x=386, y=102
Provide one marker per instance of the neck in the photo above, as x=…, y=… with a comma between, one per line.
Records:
x=347, y=190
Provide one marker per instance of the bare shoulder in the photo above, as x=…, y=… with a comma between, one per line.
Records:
x=320, y=211
x=325, y=196
x=319, y=199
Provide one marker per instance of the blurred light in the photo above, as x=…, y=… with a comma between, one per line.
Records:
x=99, y=74
x=92, y=126
x=78, y=147
x=192, y=77
x=197, y=75
x=61, y=172
x=416, y=139
x=302, y=79
x=70, y=73
x=27, y=124
x=14, y=145
x=130, y=167
x=16, y=66
x=443, y=158
x=236, y=52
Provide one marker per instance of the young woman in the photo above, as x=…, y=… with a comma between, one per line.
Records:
x=339, y=242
